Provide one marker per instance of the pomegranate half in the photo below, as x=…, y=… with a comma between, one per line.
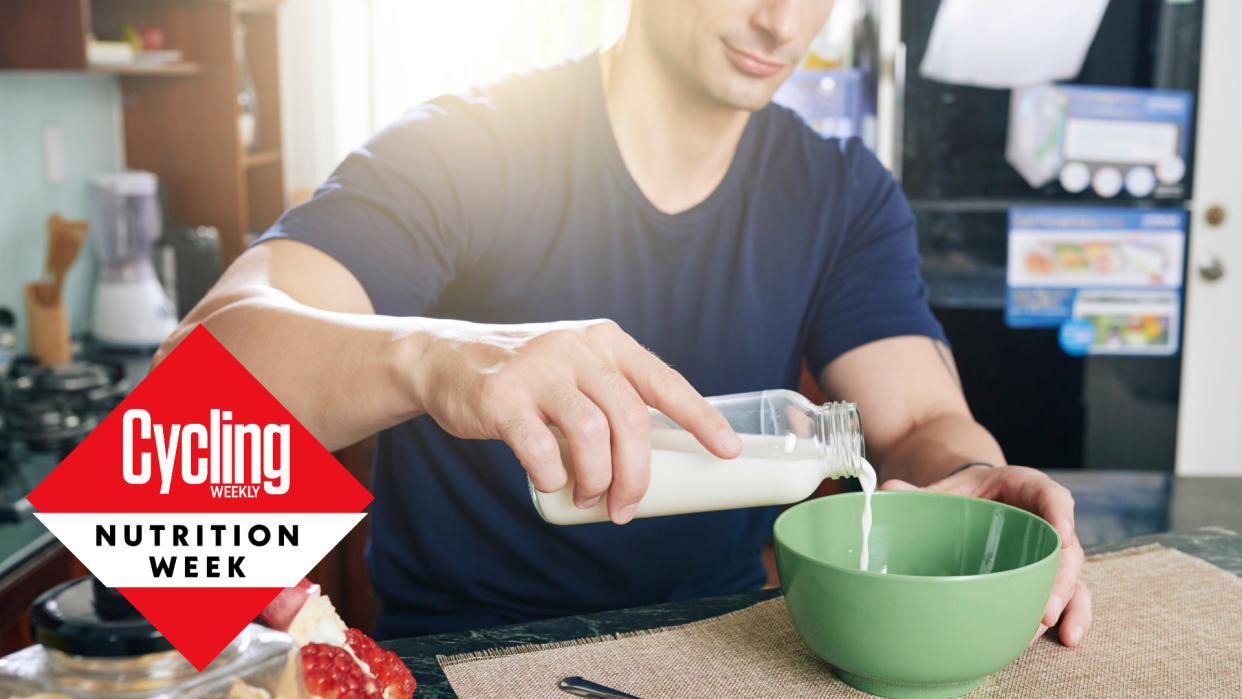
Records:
x=337, y=662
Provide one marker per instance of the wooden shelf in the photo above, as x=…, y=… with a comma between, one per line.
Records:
x=177, y=69
x=180, y=119
x=263, y=157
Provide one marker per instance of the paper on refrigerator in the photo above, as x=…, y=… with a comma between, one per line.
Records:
x=1105, y=138
x=1109, y=278
x=1010, y=43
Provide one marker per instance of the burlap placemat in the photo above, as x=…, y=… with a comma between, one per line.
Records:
x=1166, y=624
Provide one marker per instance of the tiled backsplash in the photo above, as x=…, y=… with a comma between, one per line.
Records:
x=87, y=108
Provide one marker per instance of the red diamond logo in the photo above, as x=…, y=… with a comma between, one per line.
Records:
x=200, y=497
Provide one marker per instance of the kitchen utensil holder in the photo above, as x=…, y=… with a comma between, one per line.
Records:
x=48, y=329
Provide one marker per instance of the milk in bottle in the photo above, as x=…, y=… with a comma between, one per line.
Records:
x=789, y=446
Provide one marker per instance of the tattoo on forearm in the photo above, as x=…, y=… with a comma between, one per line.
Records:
x=942, y=352
x=963, y=467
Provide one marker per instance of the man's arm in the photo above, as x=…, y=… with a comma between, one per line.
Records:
x=302, y=323
x=920, y=433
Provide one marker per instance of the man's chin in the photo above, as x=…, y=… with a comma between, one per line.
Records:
x=746, y=94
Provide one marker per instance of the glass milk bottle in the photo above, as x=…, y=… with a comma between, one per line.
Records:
x=789, y=446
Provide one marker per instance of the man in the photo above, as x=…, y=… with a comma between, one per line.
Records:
x=443, y=288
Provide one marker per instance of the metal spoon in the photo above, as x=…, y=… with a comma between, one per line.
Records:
x=585, y=688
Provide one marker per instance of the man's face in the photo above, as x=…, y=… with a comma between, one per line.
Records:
x=735, y=52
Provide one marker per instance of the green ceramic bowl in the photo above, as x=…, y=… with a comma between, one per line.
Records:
x=955, y=589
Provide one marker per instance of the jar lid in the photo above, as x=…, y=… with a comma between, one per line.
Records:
x=127, y=183
x=82, y=617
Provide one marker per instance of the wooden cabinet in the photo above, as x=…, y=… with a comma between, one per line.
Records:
x=343, y=573
x=181, y=120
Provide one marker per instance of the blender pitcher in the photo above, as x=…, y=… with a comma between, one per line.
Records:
x=131, y=308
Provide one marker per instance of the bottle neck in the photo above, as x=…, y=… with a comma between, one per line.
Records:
x=839, y=437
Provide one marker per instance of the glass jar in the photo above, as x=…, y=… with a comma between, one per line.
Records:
x=789, y=446
x=90, y=642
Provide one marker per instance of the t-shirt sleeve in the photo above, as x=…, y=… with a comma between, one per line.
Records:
x=407, y=209
x=873, y=289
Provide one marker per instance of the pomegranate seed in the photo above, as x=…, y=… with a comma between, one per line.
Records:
x=331, y=672
x=358, y=640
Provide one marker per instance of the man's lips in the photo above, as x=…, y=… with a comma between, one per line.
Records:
x=752, y=64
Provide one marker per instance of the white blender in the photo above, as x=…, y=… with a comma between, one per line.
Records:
x=131, y=309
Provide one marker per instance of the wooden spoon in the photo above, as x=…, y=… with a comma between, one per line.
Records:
x=64, y=241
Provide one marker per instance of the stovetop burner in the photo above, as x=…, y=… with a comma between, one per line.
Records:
x=52, y=408
x=44, y=414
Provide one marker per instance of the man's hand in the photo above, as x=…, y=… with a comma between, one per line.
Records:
x=589, y=378
x=1035, y=492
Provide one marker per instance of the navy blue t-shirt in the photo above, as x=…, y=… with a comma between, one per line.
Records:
x=511, y=205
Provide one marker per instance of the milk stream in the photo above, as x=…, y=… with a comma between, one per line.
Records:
x=866, y=478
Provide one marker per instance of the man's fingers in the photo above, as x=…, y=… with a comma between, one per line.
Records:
x=1077, y=617
x=668, y=391
x=961, y=483
x=1056, y=505
x=631, y=438
x=947, y=485
x=1035, y=492
x=1063, y=588
x=589, y=435
x=897, y=484
x=1040, y=632
x=536, y=449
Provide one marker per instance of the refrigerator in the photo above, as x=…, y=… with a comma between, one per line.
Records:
x=1082, y=174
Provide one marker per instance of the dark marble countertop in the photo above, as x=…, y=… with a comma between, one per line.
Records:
x=1115, y=505
x=1221, y=547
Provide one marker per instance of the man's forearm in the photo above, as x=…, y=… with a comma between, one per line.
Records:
x=935, y=448
x=344, y=376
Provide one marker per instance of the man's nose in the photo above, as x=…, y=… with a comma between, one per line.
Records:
x=777, y=19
